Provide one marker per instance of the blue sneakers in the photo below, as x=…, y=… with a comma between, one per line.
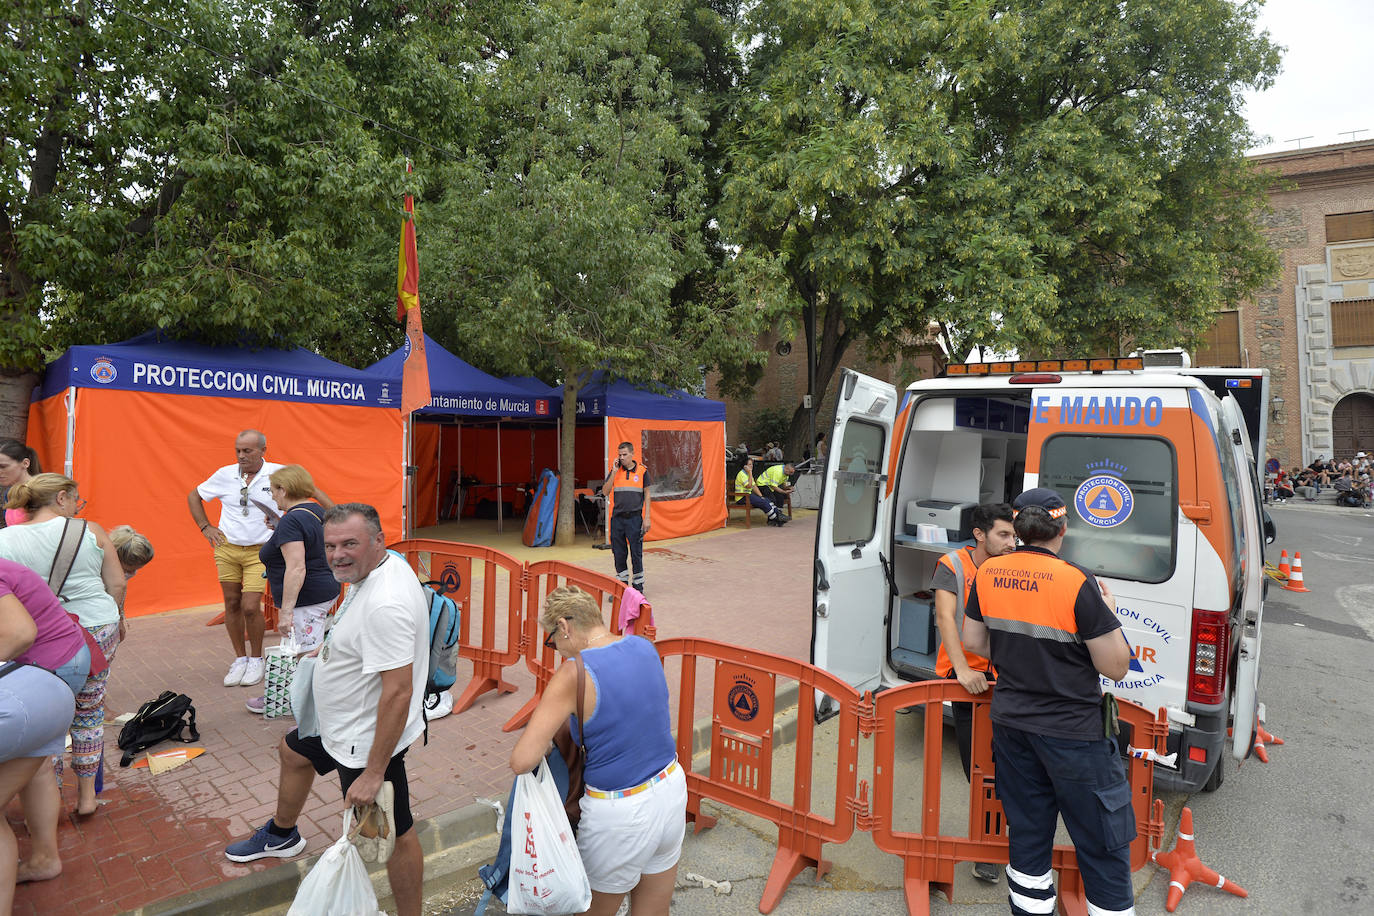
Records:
x=263, y=844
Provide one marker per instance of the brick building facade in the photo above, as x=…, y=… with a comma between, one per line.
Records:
x=1314, y=329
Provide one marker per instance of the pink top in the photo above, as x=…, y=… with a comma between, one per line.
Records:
x=59, y=637
x=16, y=516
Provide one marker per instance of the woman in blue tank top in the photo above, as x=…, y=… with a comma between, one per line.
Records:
x=634, y=813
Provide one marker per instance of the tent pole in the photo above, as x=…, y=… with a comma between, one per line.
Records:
x=438, y=463
x=71, y=431
x=408, y=487
x=606, y=462
x=500, y=490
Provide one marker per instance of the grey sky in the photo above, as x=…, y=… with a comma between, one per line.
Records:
x=1326, y=85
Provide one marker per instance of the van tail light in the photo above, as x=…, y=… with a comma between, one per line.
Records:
x=1207, y=677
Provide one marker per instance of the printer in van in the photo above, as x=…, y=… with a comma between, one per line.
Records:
x=955, y=518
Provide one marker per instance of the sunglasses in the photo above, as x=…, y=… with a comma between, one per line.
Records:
x=551, y=641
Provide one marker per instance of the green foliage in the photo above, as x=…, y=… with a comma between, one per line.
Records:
x=1056, y=175
x=767, y=424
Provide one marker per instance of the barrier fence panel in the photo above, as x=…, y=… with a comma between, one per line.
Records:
x=543, y=577
x=740, y=773
x=929, y=857
x=452, y=565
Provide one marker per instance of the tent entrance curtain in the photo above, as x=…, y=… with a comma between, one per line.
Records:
x=686, y=462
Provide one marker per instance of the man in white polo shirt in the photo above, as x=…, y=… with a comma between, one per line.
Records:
x=241, y=532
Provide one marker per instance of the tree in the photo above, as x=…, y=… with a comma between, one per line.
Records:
x=1062, y=174
x=227, y=172
x=568, y=234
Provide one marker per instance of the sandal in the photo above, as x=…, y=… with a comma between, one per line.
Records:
x=374, y=831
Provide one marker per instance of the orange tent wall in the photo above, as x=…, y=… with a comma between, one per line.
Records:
x=138, y=455
x=425, y=456
x=47, y=432
x=680, y=517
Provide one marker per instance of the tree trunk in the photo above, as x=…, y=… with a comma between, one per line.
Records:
x=15, y=388
x=567, y=452
x=834, y=343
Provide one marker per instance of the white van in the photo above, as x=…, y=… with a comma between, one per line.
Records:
x=1161, y=477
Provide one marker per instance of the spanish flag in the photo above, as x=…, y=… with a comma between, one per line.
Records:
x=415, y=368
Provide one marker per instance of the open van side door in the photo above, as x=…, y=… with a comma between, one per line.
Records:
x=852, y=582
x=1245, y=696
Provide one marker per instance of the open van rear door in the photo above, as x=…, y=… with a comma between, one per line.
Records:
x=853, y=595
x=1245, y=696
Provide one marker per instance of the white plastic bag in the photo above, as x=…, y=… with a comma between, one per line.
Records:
x=546, y=873
x=338, y=885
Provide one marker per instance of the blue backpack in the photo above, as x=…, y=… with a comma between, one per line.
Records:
x=445, y=625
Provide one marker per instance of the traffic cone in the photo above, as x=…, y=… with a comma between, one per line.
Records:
x=1185, y=867
x=1294, y=583
x=1284, y=568
x=1262, y=738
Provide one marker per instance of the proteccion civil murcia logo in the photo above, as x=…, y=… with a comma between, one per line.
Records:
x=1104, y=500
x=103, y=371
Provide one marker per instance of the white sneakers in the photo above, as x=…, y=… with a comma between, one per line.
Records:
x=253, y=672
x=244, y=672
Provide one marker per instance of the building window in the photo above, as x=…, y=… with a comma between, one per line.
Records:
x=1220, y=346
x=1352, y=323
x=1349, y=227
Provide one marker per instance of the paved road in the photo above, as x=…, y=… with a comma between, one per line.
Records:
x=1297, y=832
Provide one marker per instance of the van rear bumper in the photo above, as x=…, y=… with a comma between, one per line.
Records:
x=1208, y=734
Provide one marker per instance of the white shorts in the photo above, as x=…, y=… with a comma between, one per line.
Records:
x=622, y=839
x=308, y=622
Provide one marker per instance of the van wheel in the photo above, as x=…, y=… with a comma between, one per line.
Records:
x=1218, y=775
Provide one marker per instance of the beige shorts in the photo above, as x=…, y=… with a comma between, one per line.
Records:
x=241, y=565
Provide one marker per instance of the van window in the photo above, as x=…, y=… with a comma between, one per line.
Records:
x=1122, y=494
x=1228, y=474
x=858, y=476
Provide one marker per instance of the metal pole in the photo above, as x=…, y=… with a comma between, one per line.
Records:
x=71, y=431
x=811, y=372
x=407, y=479
x=500, y=491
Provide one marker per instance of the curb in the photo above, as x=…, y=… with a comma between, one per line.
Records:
x=456, y=844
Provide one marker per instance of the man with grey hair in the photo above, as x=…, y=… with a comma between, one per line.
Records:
x=242, y=489
x=369, y=687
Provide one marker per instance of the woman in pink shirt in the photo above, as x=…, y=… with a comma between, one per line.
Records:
x=36, y=630
x=18, y=463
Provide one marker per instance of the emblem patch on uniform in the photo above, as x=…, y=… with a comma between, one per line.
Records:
x=1104, y=500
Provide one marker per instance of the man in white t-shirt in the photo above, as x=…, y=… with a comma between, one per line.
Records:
x=369, y=688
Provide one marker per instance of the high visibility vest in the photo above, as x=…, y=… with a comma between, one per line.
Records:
x=627, y=490
x=964, y=570
x=744, y=484
x=772, y=477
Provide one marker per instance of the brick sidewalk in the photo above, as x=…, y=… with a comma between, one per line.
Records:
x=156, y=837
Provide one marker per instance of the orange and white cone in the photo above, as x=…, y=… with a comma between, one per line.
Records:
x=1284, y=568
x=1294, y=583
x=1185, y=867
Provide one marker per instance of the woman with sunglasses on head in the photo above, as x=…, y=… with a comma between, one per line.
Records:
x=634, y=810
x=93, y=592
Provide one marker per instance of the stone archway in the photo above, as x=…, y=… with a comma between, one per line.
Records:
x=1352, y=425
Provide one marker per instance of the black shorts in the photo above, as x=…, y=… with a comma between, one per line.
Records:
x=312, y=749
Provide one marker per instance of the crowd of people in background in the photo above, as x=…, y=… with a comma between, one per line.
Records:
x=1350, y=478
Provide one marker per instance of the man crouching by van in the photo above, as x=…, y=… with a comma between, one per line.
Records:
x=954, y=572
x=1050, y=629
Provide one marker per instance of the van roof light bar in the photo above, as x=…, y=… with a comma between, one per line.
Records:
x=1023, y=367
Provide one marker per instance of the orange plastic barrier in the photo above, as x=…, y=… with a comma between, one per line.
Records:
x=541, y=579
x=452, y=566
x=928, y=857
x=742, y=752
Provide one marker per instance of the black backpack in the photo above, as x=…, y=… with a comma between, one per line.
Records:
x=168, y=716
